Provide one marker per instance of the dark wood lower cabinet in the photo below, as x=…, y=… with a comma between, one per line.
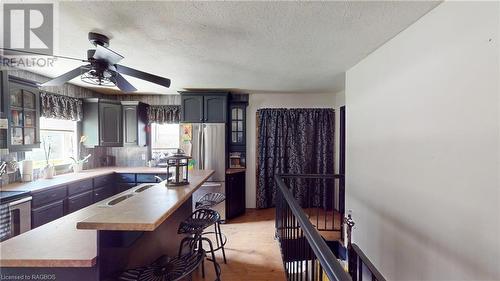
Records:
x=103, y=192
x=235, y=195
x=53, y=203
x=122, y=186
x=47, y=213
x=79, y=201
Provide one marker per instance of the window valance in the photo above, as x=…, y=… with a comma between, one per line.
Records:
x=164, y=114
x=61, y=107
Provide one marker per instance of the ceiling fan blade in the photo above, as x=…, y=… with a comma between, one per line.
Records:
x=103, y=53
x=123, y=84
x=143, y=75
x=58, y=81
x=41, y=54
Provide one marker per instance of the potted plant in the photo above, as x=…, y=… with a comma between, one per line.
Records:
x=49, y=170
x=78, y=163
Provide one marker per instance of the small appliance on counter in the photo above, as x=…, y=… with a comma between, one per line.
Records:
x=27, y=170
x=177, y=167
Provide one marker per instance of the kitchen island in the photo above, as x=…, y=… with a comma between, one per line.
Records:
x=100, y=240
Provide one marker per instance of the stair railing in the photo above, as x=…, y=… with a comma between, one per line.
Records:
x=360, y=267
x=306, y=256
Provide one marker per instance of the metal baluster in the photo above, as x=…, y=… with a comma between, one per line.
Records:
x=360, y=269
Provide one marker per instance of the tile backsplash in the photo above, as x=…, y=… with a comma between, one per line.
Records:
x=124, y=156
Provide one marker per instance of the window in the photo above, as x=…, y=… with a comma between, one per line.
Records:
x=164, y=139
x=63, y=138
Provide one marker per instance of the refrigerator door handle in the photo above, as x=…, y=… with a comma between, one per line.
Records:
x=200, y=148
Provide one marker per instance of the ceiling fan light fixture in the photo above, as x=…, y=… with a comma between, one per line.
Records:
x=98, y=80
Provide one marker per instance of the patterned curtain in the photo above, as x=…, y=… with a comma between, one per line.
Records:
x=61, y=107
x=296, y=141
x=162, y=114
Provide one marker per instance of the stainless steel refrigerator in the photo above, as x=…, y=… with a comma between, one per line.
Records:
x=206, y=144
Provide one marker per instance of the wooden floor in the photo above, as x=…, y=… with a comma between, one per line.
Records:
x=326, y=221
x=251, y=251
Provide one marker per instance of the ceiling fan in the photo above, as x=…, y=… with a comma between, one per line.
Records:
x=102, y=68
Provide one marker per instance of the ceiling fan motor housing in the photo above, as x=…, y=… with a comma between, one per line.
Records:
x=98, y=39
x=90, y=54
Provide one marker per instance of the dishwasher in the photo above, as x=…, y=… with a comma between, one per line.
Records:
x=15, y=213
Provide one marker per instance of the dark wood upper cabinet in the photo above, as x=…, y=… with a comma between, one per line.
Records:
x=215, y=108
x=237, y=118
x=21, y=105
x=102, y=123
x=134, y=123
x=192, y=108
x=237, y=130
x=207, y=107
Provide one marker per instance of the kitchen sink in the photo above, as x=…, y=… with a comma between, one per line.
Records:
x=119, y=199
x=144, y=187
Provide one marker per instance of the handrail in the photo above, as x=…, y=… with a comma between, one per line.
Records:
x=376, y=275
x=327, y=259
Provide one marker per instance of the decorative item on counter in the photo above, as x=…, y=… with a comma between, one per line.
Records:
x=49, y=170
x=236, y=160
x=12, y=166
x=78, y=163
x=151, y=163
x=177, y=167
x=192, y=164
x=27, y=170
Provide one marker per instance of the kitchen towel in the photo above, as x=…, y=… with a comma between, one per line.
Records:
x=4, y=221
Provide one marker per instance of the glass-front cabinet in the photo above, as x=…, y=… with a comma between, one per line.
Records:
x=237, y=124
x=237, y=130
x=22, y=108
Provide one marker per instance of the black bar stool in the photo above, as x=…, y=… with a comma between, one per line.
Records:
x=166, y=269
x=208, y=201
x=191, y=253
x=194, y=225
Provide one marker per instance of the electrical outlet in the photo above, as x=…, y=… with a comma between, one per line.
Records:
x=143, y=156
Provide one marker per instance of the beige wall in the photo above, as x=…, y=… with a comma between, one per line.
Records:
x=274, y=100
x=423, y=119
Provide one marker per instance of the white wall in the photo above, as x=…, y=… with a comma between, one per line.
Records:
x=274, y=100
x=423, y=117
x=339, y=102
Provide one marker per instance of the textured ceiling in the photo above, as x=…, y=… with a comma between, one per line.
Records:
x=252, y=46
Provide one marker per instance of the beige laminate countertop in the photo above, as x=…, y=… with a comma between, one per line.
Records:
x=64, y=179
x=145, y=211
x=60, y=244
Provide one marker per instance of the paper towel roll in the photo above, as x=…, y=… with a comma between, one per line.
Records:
x=27, y=170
